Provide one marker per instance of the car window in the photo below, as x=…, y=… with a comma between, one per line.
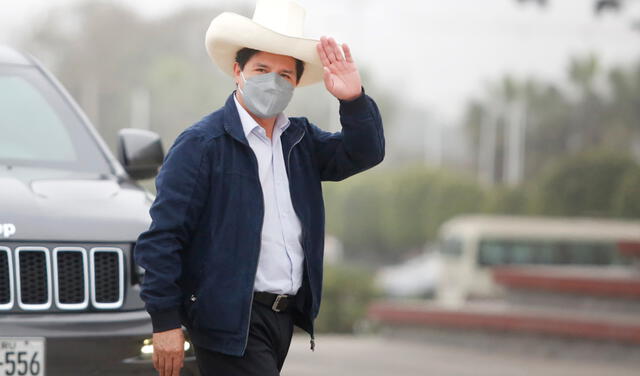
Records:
x=39, y=128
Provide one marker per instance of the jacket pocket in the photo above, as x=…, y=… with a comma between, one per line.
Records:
x=213, y=309
x=188, y=308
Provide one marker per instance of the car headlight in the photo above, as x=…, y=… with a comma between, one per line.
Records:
x=147, y=347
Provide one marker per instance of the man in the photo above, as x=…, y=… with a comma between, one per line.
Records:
x=235, y=247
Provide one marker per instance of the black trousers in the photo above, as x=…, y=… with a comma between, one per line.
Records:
x=267, y=347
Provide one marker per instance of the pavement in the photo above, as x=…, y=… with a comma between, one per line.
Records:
x=376, y=355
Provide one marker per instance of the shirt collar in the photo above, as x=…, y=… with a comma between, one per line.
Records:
x=249, y=124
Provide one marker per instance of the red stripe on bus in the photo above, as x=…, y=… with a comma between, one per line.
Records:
x=620, y=287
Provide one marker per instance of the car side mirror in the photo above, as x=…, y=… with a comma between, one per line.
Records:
x=140, y=152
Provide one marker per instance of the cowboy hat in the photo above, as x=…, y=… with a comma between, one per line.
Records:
x=276, y=27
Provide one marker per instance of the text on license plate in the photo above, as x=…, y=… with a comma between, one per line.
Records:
x=21, y=356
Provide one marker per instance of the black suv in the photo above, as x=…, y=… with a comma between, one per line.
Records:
x=69, y=215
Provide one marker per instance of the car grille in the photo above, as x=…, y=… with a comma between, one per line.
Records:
x=71, y=265
x=68, y=277
x=106, y=277
x=33, y=277
x=5, y=279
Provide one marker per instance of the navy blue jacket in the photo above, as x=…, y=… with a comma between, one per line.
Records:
x=200, y=253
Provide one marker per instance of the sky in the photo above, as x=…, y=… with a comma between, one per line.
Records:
x=435, y=54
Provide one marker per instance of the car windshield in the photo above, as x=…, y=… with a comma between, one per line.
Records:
x=39, y=128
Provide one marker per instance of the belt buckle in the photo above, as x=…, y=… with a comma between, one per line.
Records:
x=277, y=301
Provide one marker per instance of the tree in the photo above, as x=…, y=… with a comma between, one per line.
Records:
x=626, y=202
x=582, y=185
x=564, y=118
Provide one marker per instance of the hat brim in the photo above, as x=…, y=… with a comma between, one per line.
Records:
x=229, y=32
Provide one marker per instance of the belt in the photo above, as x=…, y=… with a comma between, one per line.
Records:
x=277, y=302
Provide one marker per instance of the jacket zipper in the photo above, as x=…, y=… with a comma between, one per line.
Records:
x=255, y=160
x=306, y=259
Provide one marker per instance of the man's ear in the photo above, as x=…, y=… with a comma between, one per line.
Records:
x=236, y=72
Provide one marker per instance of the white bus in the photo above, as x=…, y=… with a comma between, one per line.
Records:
x=470, y=245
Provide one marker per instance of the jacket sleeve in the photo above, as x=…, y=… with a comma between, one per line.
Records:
x=180, y=186
x=358, y=146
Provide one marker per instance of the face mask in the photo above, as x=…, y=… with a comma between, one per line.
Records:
x=266, y=95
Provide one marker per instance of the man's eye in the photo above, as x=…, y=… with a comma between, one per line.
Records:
x=285, y=76
x=260, y=69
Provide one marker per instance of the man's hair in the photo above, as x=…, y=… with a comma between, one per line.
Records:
x=244, y=54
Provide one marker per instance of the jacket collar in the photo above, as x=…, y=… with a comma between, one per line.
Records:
x=233, y=124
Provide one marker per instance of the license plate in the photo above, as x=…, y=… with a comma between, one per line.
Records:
x=21, y=356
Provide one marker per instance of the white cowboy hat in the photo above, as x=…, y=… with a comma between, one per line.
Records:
x=276, y=27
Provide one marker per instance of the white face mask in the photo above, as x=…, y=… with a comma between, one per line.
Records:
x=266, y=95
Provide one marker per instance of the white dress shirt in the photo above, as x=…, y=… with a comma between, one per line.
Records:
x=281, y=255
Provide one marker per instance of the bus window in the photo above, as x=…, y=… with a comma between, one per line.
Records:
x=586, y=254
x=544, y=253
x=618, y=258
x=522, y=253
x=602, y=254
x=492, y=253
x=561, y=253
x=595, y=254
x=500, y=252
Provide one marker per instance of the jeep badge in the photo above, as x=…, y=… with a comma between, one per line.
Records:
x=7, y=229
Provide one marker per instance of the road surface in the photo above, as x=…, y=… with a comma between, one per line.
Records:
x=378, y=356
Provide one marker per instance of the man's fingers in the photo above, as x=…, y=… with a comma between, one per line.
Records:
x=334, y=54
x=161, y=362
x=168, y=366
x=323, y=51
x=172, y=366
x=335, y=50
x=170, y=363
x=322, y=54
x=328, y=50
x=330, y=53
x=177, y=364
x=347, y=53
x=326, y=76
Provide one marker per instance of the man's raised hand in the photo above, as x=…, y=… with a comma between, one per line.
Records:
x=341, y=77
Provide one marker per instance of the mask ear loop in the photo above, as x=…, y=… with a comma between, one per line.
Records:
x=245, y=81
